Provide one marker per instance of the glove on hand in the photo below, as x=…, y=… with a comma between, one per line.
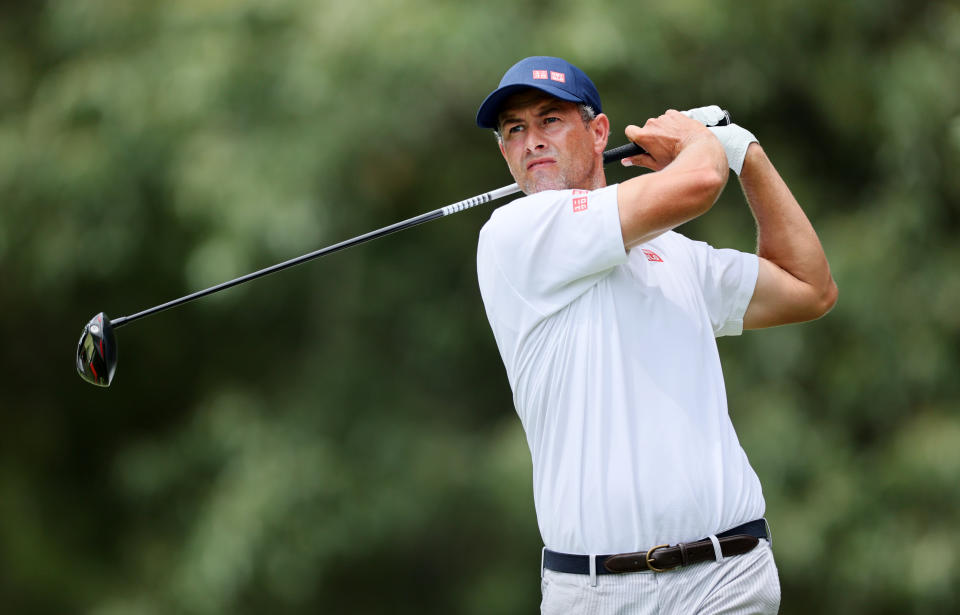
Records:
x=735, y=139
x=708, y=116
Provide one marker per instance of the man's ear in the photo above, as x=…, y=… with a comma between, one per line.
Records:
x=503, y=151
x=600, y=128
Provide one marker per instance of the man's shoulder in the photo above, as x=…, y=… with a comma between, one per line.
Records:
x=671, y=248
x=524, y=202
x=670, y=240
x=546, y=202
x=507, y=217
x=679, y=241
x=694, y=253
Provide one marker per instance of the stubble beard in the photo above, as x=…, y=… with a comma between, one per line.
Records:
x=563, y=179
x=539, y=184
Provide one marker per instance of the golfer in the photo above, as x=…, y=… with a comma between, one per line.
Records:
x=606, y=321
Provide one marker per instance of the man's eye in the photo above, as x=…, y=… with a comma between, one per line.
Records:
x=514, y=129
x=551, y=120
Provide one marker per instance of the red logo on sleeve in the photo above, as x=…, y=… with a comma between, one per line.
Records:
x=579, y=200
x=652, y=256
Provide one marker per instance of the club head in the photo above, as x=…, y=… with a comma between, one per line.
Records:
x=97, y=351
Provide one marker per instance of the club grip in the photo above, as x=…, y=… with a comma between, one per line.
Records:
x=619, y=153
x=632, y=149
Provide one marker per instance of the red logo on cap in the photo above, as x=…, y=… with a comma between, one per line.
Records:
x=555, y=76
x=540, y=74
x=579, y=200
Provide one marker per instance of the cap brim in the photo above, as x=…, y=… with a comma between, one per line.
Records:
x=488, y=114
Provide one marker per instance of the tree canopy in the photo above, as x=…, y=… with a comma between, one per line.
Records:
x=340, y=437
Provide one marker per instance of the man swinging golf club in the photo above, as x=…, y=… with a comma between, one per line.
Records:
x=606, y=321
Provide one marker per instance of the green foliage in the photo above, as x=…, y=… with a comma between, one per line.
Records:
x=340, y=437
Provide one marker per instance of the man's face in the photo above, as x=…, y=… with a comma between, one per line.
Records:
x=548, y=146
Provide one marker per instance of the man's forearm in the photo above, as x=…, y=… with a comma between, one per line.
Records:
x=784, y=234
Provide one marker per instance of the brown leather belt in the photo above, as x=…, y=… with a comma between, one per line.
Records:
x=735, y=541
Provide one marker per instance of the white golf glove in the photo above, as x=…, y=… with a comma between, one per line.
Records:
x=708, y=116
x=735, y=139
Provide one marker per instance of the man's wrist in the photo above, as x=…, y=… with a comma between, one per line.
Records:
x=754, y=154
x=736, y=141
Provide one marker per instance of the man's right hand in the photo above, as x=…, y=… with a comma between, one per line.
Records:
x=692, y=170
x=664, y=138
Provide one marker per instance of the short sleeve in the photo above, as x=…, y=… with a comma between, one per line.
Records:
x=727, y=279
x=552, y=246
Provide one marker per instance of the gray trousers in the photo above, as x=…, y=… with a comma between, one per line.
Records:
x=745, y=584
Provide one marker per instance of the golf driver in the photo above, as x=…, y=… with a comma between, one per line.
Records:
x=97, y=349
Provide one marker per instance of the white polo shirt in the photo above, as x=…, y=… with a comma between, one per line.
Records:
x=615, y=373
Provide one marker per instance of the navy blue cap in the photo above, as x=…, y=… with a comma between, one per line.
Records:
x=555, y=76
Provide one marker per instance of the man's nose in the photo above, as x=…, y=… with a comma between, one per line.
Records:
x=535, y=140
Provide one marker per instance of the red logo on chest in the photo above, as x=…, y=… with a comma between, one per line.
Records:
x=652, y=256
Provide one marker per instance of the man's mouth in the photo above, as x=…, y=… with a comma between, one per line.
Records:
x=539, y=162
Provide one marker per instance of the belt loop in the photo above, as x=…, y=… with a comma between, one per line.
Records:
x=593, y=570
x=717, y=553
x=543, y=555
x=769, y=532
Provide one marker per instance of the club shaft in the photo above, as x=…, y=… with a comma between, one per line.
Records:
x=624, y=151
x=393, y=228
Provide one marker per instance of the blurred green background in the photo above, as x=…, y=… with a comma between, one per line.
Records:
x=340, y=437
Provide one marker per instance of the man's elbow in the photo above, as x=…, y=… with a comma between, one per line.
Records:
x=710, y=183
x=824, y=301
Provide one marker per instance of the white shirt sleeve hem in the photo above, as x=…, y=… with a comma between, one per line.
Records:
x=748, y=284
